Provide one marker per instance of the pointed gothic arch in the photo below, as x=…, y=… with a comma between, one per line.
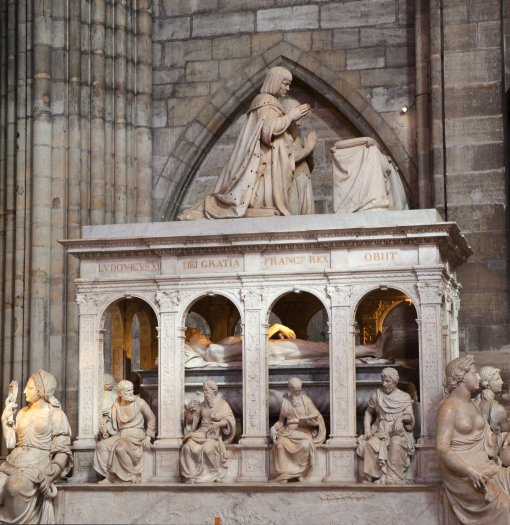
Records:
x=229, y=100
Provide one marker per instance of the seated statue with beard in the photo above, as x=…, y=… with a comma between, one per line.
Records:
x=208, y=426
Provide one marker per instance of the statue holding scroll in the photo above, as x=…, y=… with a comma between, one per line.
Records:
x=40, y=437
x=299, y=428
x=208, y=426
x=387, y=445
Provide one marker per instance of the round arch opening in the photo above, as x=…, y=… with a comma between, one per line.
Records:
x=306, y=356
x=386, y=320
x=213, y=351
x=130, y=346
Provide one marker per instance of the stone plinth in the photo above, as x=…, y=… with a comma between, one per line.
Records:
x=248, y=504
x=253, y=263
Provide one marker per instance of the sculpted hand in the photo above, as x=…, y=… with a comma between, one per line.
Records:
x=146, y=443
x=285, y=331
x=478, y=478
x=299, y=111
x=368, y=434
x=8, y=413
x=310, y=140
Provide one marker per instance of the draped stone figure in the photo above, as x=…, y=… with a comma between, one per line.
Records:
x=201, y=352
x=364, y=178
x=41, y=456
x=256, y=180
x=208, y=426
x=477, y=485
x=387, y=445
x=299, y=428
x=301, y=194
x=109, y=398
x=119, y=457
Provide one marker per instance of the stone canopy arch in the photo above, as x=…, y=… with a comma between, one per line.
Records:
x=225, y=105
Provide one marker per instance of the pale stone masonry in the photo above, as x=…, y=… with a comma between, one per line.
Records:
x=123, y=111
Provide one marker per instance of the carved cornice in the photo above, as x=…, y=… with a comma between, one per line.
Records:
x=446, y=236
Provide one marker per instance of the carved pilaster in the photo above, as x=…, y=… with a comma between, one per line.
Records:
x=89, y=371
x=432, y=363
x=341, y=443
x=171, y=371
x=253, y=465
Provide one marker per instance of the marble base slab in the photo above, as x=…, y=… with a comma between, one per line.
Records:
x=249, y=504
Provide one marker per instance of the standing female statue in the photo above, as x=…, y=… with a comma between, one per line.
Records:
x=477, y=485
x=42, y=454
x=257, y=179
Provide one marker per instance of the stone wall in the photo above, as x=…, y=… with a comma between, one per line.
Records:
x=75, y=149
x=210, y=58
x=469, y=164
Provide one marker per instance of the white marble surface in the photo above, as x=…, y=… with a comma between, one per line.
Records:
x=249, y=504
x=278, y=225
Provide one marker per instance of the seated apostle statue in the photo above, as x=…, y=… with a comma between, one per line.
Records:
x=299, y=428
x=477, y=485
x=387, y=445
x=208, y=426
x=40, y=437
x=119, y=457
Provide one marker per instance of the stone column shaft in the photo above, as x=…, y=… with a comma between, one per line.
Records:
x=41, y=186
x=120, y=112
x=97, y=111
x=422, y=51
x=143, y=139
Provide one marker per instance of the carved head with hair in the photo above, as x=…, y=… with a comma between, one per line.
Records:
x=108, y=382
x=390, y=373
x=274, y=78
x=456, y=370
x=490, y=380
x=195, y=337
x=46, y=385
